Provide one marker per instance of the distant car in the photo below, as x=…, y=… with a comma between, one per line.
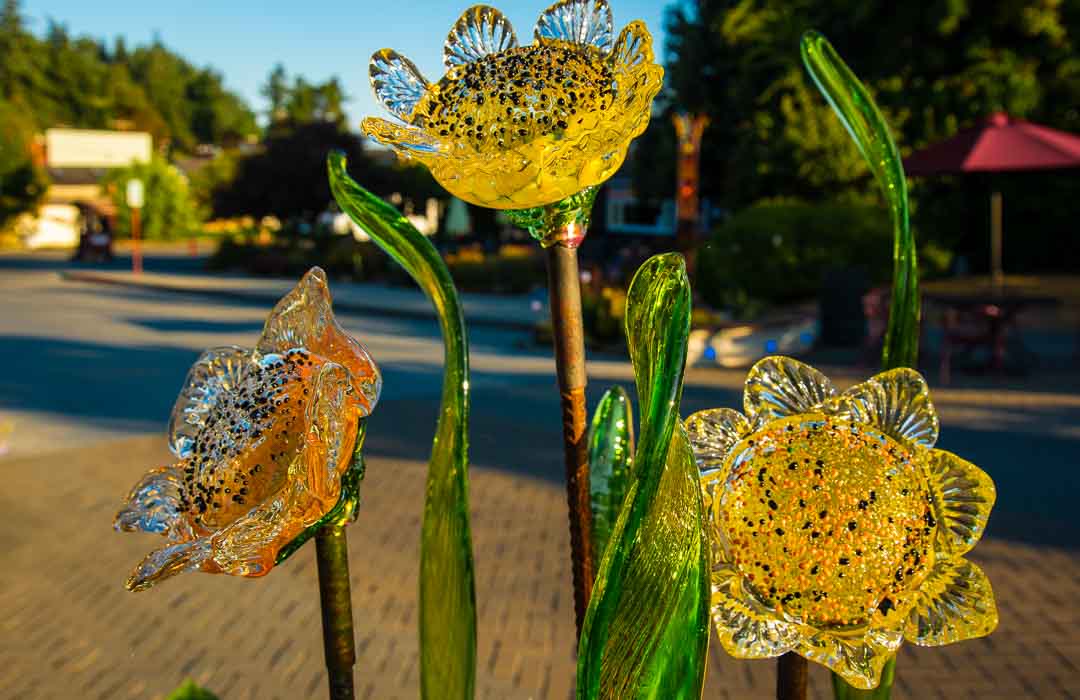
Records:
x=95, y=237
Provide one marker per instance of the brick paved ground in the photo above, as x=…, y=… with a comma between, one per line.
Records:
x=69, y=630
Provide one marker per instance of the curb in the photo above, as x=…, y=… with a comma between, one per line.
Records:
x=353, y=307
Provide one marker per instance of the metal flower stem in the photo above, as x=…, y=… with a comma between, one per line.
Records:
x=332, y=555
x=335, y=594
x=855, y=107
x=564, y=290
x=791, y=677
x=560, y=228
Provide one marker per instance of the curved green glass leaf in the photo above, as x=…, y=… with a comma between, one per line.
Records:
x=857, y=110
x=447, y=590
x=611, y=458
x=646, y=632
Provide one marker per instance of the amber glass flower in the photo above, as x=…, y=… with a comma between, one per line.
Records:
x=514, y=127
x=263, y=439
x=838, y=531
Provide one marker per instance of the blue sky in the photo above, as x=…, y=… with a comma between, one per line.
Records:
x=243, y=39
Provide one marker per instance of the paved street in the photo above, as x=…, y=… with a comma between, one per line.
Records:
x=90, y=375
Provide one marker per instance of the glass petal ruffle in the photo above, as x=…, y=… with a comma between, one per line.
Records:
x=585, y=22
x=898, y=403
x=480, y=31
x=713, y=433
x=216, y=372
x=954, y=603
x=153, y=505
x=858, y=656
x=778, y=387
x=397, y=82
x=747, y=629
x=304, y=318
x=963, y=498
x=633, y=48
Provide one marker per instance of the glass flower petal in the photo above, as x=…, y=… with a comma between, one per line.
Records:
x=481, y=31
x=897, y=402
x=963, y=496
x=153, y=504
x=857, y=658
x=955, y=603
x=304, y=318
x=407, y=141
x=585, y=22
x=780, y=386
x=747, y=629
x=397, y=82
x=169, y=561
x=633, y=48
x=713, y=433
x=217, y=372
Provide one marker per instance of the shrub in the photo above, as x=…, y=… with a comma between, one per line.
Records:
x=774, y=253
x=509, y=273
x=169, y=210
x=22, y=184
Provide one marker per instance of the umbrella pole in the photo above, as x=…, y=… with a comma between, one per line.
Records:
x=997, y=275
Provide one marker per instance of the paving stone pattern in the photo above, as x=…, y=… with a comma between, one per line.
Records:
x=69, y=630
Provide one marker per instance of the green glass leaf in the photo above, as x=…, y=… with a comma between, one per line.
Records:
x=857, y=110
x=447, y=590
x=611, y=458
x=646, y=632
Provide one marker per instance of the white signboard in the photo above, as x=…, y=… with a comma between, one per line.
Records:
x=134, y=193
x=84, y=148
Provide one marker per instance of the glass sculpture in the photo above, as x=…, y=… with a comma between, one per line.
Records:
x=646, y=632
x=267, y=444
x=838, y=530
x=513, y=127
x=532, y=130
x=447, y=588
x=611, y=460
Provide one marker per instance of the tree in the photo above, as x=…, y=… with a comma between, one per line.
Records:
x=934, y=69
x=287, y=178
x=169, y=212
x=22, y=184
x=63, y=80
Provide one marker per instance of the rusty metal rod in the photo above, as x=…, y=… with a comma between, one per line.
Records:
x=332, y=554
x=564, y=290
x=791, y=677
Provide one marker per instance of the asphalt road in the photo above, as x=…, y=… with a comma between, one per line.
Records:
x=86, y=363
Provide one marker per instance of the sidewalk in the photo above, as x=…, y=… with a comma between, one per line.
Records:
x=516, y=312
x=69, y=630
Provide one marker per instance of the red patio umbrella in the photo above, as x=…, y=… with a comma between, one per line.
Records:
x=999, y=144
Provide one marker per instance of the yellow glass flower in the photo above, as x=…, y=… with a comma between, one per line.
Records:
x=837, y=530
x=264, y=438
x=514, y=127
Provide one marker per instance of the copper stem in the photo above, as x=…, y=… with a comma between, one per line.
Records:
x=791, y=674
x=332, y=554
x=564, y=288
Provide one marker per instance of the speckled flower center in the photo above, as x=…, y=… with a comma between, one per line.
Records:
x=827, y=519
x=251, y=436
x=515, y=96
